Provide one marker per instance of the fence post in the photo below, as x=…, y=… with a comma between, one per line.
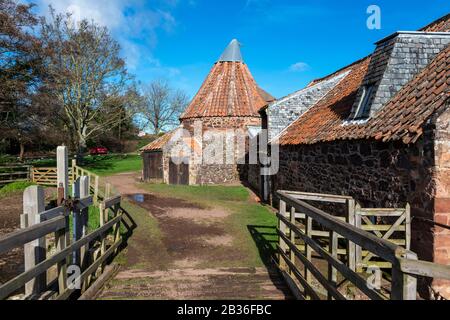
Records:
x=351, y=246
x=77, y=223
x=404, y=286
x=107, y=191
x=62, y=179
x=84, y=215
x=283, y=229
x=74, y=170
x=96, y=182
x=333, y=249
x=34, y=251
x=292, y=238
x=358, y=249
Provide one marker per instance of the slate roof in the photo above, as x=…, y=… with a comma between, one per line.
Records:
x=228, y=91
x=402, y=118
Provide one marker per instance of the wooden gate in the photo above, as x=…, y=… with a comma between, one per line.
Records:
x=153, y=167
x=179, y=171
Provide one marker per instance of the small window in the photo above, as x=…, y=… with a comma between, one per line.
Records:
x=363, y=110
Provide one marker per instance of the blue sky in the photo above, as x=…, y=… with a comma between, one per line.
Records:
x=286, y=44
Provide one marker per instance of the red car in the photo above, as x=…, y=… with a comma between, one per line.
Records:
x=98, y=150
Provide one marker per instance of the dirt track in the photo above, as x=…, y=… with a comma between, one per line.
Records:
x=184, y=264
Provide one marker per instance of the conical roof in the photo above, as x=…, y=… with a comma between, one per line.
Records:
x=229, y=89
x=232, y=52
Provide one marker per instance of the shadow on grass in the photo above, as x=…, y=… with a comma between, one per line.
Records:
x=129, y=226
x=266, y=238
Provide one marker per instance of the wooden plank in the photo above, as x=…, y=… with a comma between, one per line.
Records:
x=292, y=237
x=332, y=290
x=91, y=269
x=283, y=229
x=380, y=247
x=83, y=203
x=381, y=227
x=317, y=196
x=108, y=203
x=341, y=267
x=408, y=227
x=52, y=213
x=7, y=288
x=404, y=286
x=386, y=236
x=23, y=236
x=35, y=250
x=291, y=283
x=352, y=248
x=332, y=272
x=425, y=269
x=62, y=169
x=308, y=250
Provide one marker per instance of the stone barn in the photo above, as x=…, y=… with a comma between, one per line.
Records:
x=379, y=131
x=225, y=109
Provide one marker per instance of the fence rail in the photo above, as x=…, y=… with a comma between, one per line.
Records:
x=15, y=173
x=301, y=252
x=72, y=246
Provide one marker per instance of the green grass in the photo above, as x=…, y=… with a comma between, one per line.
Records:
x=112, y=164
x=251, y=224
x=103, y=165
x=206, y=195
x=146, y=235
x=14, y=187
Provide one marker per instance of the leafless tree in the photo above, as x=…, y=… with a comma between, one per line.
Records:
x=87, y=77
x=162, y=105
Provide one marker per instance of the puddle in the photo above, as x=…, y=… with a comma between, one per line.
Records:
x=138, y=197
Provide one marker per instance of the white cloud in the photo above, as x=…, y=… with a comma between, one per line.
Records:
x=299, y=67
x=134, y=23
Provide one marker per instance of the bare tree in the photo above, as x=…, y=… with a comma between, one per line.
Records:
x=162, y=105
x=87, y=77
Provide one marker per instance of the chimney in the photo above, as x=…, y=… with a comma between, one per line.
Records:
x=395, y=62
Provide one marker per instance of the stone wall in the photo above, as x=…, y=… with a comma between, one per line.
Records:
x=381, y=174
x=225, y=173
x=442, y=200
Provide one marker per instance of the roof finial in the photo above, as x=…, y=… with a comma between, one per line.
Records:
x=232, y=52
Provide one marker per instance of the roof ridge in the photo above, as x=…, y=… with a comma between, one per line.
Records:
x=435, y=22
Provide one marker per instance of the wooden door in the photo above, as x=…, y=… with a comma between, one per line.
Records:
x=178, y=173
x=153, y=168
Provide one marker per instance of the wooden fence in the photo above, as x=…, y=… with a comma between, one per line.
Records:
x=76, y=256
x=13, y=173
x=48, y=177
x=303, y=256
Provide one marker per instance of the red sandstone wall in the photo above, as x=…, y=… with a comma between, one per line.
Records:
x=442, y=200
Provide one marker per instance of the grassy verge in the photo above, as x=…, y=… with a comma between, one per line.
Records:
x=112, y=164
x=103, y=165
x=14, y=187
x=251, y=224
x=146, y=235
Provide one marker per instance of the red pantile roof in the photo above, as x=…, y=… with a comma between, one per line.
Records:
x=159, y=143
x=401, y=119
x=440, y=25
x=229, y=90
